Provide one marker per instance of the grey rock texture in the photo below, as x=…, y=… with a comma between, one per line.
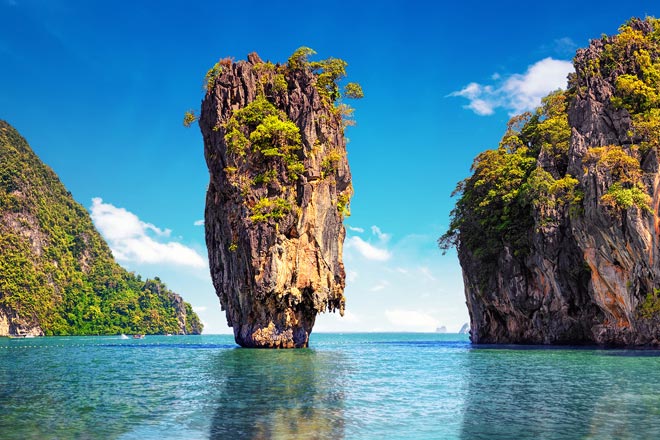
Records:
x=273, y=276
x=588, y=272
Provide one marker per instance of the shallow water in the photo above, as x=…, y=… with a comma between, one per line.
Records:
x=353, y=386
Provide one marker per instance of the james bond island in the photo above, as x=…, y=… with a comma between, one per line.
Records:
x=279, y=189
x=557, y=230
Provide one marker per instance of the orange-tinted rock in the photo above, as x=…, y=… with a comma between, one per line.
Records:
x=588, y=271
x=274, y=272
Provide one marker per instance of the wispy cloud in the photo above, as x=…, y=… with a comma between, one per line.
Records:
x=411, y=320
x=199, y=309
x=378, y=233
x=426, y=273
x=380, y=286
x=518, y=92
x=367, y=250
x=354, y=229
x=199, y=223
x=565, y=46
x=133, y=240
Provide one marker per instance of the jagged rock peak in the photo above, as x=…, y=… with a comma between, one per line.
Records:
x=557, y=231
x=279, y=188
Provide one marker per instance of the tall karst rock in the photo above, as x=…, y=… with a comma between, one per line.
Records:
x=279, y=188
x=558, y=229
x=57, y=274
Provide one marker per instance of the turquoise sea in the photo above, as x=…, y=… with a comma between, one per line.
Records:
x=353, y=386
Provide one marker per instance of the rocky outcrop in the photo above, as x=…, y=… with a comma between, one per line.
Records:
x=279, y=188
x=11, y=324
x=465, y=329
x=590, y=269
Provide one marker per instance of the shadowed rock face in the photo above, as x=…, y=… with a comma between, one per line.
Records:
x=279, y=184
x=589, y=272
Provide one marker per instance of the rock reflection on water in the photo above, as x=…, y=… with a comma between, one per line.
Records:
x=560, y=394
x=272, y=394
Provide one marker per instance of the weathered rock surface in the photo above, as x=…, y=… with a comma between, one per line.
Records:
x=589, y=270
x=12, y=324
x=274, y=233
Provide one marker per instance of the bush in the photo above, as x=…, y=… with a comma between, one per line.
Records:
x=353, y=90
x=266, y=209
x=298, y=60
x=188, y=118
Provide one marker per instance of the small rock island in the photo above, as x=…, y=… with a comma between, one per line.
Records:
x=558, y=229
x=279, y=189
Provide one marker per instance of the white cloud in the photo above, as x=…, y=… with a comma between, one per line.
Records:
x=426, y=272
x=130, y=240
x=481, y=107
x=354, y=229
x=378, y=233
x=199, y=223
x=367, y=250
x=410, y=320
x=380, y=286
x=518, y=92
x=199, y=309
x=564, y=46
x=351, y=276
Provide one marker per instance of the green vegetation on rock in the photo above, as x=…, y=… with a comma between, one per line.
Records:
x=495, y=204
x=264, y=146
x=188, y=118
x=650, y=308
x=627, y=189
x=57, y=272
x=266, y=209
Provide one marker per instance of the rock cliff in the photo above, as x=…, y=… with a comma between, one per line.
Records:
x=557, y=230
x=279, y=188
x=57, y=274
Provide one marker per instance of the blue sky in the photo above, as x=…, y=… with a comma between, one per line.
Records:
x=99, y=90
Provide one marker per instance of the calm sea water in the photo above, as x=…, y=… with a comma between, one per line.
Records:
x=353, y=386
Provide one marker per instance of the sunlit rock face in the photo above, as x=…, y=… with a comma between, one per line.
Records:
x=591, y=270
x=279, y=187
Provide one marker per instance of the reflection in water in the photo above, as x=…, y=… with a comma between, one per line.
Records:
x=279, y=394
x=621, y=414
x=560, y=394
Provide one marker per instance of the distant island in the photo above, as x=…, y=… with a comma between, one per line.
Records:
x=279, y=189
x=558, y=229
x=57, y=274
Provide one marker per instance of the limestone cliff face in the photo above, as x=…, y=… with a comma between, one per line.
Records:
x=279, y=187
x=590, y=269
